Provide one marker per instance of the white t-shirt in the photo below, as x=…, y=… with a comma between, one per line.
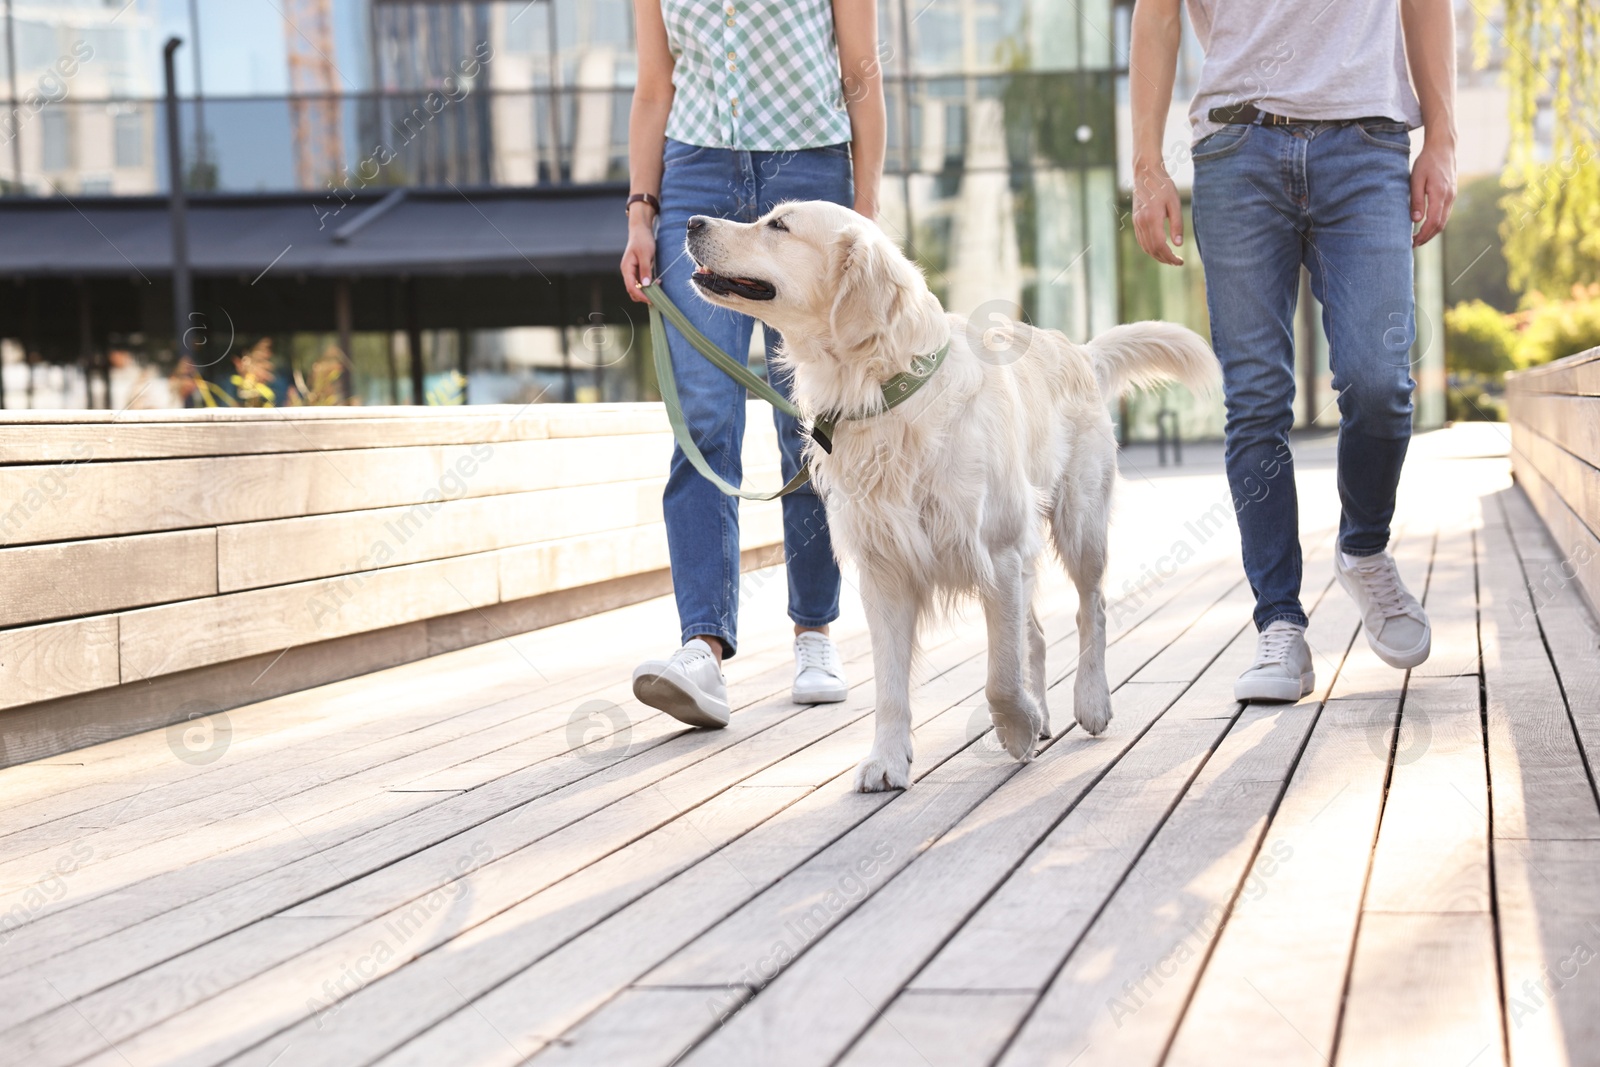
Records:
x=1307, y=59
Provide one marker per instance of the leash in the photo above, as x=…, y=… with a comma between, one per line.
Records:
x=896, y=391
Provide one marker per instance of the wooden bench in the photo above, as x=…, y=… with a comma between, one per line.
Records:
x=1555, y=456
x=159, y=565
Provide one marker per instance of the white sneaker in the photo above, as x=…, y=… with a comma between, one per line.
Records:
x=1397, y=627
x=818, y=674
x=689, y=686
x=1282, y=671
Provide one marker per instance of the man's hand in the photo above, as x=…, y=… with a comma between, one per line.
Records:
x=1155, y=207
x=1433, y=189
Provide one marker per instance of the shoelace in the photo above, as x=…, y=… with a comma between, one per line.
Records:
x=1382, y=583
x=816, y=652
x=1274, y=646
x=689, y=654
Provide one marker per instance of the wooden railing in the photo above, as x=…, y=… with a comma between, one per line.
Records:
x=1555, y=455
x=158, y=565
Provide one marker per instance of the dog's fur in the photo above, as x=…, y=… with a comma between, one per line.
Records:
x=944, y=494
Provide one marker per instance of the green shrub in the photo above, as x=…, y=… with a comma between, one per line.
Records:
x=1559, y=328
x=1479, y=339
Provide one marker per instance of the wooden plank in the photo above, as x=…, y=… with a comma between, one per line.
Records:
x=1566, y=421
x=586, y=971
x=180, y=434
x=55, y=436
x=349, y=710
x=1432, y=852
x=1577, y=548
x=1541, y=787
x=1275, y=982
x=194, y=633
x=1451, y=600
x=280, y=551
x=925, y=1027
x=1122, y=990
x=1575, y=374
x=40, y=662
x=1571, y=632
x=642, y=1028
x=103, y=961
x=1578, y=482
x=143, y=496
x=844, y=757
x=1423, y=990
x=755, y=831
x=44, y=582
x=528, y=570
x=618, y=797
x=1424, y=978
x=1549, y=936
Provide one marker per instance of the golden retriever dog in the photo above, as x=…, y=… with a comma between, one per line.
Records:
x=948, y=493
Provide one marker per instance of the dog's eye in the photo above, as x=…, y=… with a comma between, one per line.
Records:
x=777, y=224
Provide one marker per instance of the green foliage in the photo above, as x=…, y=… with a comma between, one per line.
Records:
x=1552, y=226
x=1555, y=329
x=1474, y=263
x=1478, y=339
x=1474, y=398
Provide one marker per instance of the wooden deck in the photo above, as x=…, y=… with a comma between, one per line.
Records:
x=495, y=855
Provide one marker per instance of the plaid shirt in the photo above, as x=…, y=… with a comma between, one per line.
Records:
x=755, y=75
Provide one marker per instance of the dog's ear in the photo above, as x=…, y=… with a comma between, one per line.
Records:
x=865, y=301
x=883, y=314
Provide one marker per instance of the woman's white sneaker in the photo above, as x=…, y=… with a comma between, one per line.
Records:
x=818, y=674
x=1282, y=671
x=1397, y=627
x=689, y=686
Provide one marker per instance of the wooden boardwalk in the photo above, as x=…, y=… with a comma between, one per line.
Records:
x=496, y=856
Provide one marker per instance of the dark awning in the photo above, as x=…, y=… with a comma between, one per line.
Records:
x=472, y=231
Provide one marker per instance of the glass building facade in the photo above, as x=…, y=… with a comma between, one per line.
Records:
x=1007, y=173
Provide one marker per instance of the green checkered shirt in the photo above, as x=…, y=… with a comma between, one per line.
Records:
x=755, y=75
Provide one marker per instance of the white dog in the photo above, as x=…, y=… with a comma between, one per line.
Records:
x=947, y=493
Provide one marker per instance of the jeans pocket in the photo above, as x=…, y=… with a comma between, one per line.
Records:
x=1221, y=143
x=840, y=150
x=1386, y=135
x=677, y=152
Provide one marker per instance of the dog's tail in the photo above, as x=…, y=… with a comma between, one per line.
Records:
x=1148, y=353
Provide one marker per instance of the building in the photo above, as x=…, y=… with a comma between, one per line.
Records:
x=431, y=189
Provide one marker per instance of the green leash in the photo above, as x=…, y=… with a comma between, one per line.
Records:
x=896, y=390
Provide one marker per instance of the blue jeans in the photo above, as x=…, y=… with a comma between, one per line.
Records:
x=1334, y=196
x=702, y=523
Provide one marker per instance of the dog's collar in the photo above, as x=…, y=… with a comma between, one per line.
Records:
x=896, y=390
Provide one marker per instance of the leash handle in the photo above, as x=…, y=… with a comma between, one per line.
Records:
x=661, y=304
x=667, y=382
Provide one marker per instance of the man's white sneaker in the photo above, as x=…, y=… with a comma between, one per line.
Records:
x=689, y=686
x=1282, y=671
x=818, y=674
x=1397, y=627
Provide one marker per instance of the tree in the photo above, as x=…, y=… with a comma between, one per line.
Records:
x=1552, y=226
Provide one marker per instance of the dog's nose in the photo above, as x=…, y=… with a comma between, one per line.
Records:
x=697, y=223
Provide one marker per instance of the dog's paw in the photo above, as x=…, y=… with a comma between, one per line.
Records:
x=1092, y=709
x=1016, y=728
x=876, y=774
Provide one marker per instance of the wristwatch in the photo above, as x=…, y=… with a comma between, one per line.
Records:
x=648, y=198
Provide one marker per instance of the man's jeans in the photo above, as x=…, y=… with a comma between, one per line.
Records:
x=702, y=523
x=1335, y=197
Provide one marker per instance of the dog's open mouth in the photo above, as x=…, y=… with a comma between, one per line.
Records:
x=722, y=285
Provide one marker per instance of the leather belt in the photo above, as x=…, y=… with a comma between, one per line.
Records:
x=1249, y=115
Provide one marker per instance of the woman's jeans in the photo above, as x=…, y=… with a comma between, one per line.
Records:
x=702, y=523
x=1334, y=196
